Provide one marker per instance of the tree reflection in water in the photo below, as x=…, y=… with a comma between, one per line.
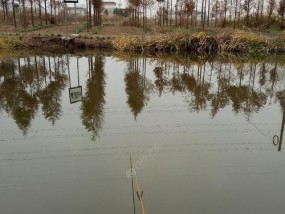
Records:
x=94, y=99
x=21, y=90
x=30, y=83
x=138, y=87
x=161, y=81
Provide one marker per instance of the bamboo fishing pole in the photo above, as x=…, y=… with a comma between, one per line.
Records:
x=132, y=184
x=139, y=193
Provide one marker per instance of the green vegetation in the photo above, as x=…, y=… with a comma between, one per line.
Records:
x=82, y=28
x=120, y=12
x=97, y=29
x=34, y=28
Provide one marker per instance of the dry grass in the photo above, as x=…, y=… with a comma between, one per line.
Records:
x=244, y=41
x=8, y=42
x=238, y=42
x=125, y=38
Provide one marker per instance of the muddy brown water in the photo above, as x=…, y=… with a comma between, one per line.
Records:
x=200, y=135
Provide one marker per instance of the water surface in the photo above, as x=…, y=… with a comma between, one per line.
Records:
x=199, y=130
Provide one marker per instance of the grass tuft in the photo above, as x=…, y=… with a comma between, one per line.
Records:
x=7, y=42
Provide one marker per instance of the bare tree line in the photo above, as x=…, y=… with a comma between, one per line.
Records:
x=43, y=12
x=180, y=13
x=206, y=13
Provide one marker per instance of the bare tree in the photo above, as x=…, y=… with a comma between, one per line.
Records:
x=189, y=6
x=97, y=9
x=247, y=7
x=32, y=11
x=202, y=13
x=281, y=11
x=4, y=6
x=135, y=5
x=45, y=2
x=23, y=2
x=257, y=13
x=40, y=12
x=209, y=14
x=14, y=14
x=236, y=6
x=216, y=8
x=225, y=12
x=270, y=9
x=89, y=15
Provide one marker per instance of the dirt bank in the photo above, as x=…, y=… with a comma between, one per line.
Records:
x=60, y=43
x=240, y=42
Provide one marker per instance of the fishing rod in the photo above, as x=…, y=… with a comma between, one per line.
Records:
x=134, y=204
x=139, y=192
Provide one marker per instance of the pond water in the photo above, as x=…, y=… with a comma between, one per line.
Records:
x=199, y=131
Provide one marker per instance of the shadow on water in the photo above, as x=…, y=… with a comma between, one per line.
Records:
x=94, y=99
x=205, y=82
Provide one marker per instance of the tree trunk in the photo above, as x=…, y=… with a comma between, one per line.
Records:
x=171, y=12
x=176, y=15
x=14, y=15
x=235, y=15
x=216, y=15
x=281, y=24
x=257, y=13
x=90, y=20
x=94, y=15
x=238, y=23
x=24, y=14
x=4, y=15
x=225, y=14
x=247, y=14
x=208, y=19
x=231, y=6
x=202, y=14
x=51, y=2
x=45, y=11
x=40, y=12
x=6, y=9
x=261, y=8
x=205, y=13
x=32, y=12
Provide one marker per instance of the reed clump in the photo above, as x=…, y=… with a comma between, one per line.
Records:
x=128, y=43
x=244, y=42
x=237, y=42
x=7, y=42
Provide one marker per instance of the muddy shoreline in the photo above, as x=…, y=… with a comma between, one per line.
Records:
x=48, y=43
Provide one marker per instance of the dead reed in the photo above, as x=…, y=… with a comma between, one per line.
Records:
x=237, y=42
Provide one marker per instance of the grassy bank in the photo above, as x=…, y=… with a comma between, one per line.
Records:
x=8, y=42
x=241, y=42
x=236, y=42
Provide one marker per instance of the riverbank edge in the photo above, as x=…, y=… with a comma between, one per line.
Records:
x=240, y=42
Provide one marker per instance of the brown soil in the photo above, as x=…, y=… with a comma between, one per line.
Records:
x=59, y=44
x=107, y=30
